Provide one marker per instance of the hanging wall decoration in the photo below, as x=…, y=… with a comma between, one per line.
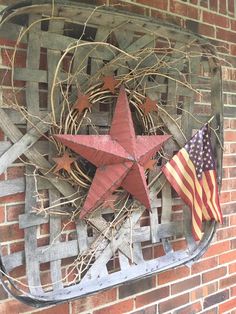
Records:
x=94, y=112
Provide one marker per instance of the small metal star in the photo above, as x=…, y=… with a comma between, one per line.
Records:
x=110, y=83
x=64, y=162
x=149, y=106
x=82, y=103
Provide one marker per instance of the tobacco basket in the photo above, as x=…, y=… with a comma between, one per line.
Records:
x=69, y=46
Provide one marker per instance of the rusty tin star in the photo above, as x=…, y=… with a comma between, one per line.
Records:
x=149, y=106
x=120, y=157
x=63, y=162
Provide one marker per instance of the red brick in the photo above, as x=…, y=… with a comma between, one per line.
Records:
x=179, y=245
x=93, y=301
x=185, y=284
x=59, y=309
x=206, y=30
x=11, y=43
x=167, y=17
x=3, y=293
x=233, y=124
x=173, y=303
x=19, y=58
x=230, y=136
x=226, y=306
x=44, y=229
x=10, y=232
x=152, y=296
x=184, y=10
x=231, y=7
x=15, y=172
x=5, y=77
x=136, y=287
x=225, y=35
x=125, y=6
x=214, y=5
x=227, y=257
x=204, y=3
x=233, y=49
x=192, y=308
x=222, y=6
x=202, y=265
x=17, y=247
x=233, y=220
x=200, y=28
x=173, y=274
x=232, y=268
x=120, y=308
x=217, y=248
x=203, y=291
x=229, y=208
x=233, y=244
x=233, y=148
x=13, y=212
x=226, y=185
x=14, y=307
x=226, y=173
x=19, y=197
x=233, y=291
x=211, y=311
x=215, y=19
x=214, y=274
x=216, y=298
x=10, y=97
x=233, y=196
x=226, y=233
x=147, y=310
x=225, y=197
x=2, y=214
x=227, y=282
x=160, y=4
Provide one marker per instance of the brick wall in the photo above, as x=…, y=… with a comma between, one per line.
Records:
x=209, y=286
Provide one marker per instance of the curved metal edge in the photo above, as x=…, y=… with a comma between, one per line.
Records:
x=32, y=300
x=40, y=302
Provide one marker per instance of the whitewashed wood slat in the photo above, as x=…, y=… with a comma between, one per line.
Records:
x=32, y=103
x=12, y=186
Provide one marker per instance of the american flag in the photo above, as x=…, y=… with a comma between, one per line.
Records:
x=192, y=173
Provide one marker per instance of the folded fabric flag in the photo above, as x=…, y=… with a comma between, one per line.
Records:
x=192, y=173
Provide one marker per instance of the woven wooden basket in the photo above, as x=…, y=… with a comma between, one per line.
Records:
x=69, y=46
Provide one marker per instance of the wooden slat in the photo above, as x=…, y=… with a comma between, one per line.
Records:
x=32, y=102
x=13, y=186
x=31, y=220
x=53, y=58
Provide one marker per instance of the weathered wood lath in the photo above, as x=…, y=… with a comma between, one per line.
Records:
x=104, y=42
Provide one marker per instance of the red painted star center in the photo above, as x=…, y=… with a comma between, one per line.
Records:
x=120, y=157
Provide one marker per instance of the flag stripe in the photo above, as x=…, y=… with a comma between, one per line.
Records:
x=207, y=198
x=189, y=184
x=189, y=168
x=211, y=179
x=184, y=193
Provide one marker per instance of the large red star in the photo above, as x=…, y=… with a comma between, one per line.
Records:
x=120, y=157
